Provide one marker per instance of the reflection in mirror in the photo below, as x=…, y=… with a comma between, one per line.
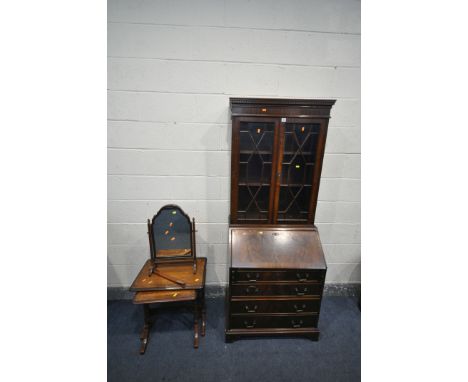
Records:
x=172, y=233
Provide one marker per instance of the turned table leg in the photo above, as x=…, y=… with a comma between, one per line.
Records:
x=144, y=336
x=203, y=306
x=195, y=324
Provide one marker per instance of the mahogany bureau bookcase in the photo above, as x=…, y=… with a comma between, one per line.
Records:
x=277, y=269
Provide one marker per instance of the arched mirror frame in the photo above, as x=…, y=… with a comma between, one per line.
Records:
x=172, y=259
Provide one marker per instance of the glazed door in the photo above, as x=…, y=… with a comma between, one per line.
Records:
x=253, y=165
x=299, y=168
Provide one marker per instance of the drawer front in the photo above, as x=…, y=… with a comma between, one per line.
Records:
x=276, y=289
x=280, y=322
x=275, y=306
x=254, y=275
x=280, y=110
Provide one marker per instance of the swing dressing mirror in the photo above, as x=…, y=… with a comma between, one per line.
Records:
x=172, y=236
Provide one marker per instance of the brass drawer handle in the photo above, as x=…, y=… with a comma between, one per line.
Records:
x=250, y=278
x=251, y=326
x=300, y=278
x=301, y=293
x=297, y=324
x=251, y=310
x=299, y=309
x=251, y=289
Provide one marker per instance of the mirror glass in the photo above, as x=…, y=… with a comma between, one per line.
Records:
x=172, y=233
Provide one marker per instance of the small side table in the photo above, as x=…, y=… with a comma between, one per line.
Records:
x=156, y=289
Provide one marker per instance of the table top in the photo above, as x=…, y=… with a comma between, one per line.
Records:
x=276, y=247
x=179, y=271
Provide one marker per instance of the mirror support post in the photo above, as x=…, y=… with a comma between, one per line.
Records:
x=194, y=247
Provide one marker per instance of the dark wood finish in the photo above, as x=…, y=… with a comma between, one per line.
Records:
x=234, y=334
x=318, y=170
x=279, y=112
x=235, y=159
x=255, y=147
x=196, y=313
x=144, y=336
x=152, y=297
x=287, y=321
x=173, y=255
x=275, y=281
x=171, y=283
x=278, y=267
x=182, y=272
x=306, y=304
x=275, y=179
x=277, y=289
x=300, y=108
x=276, y=247
x=278, y=158
x=194, y=247
x=258, y=275
x=167, y=277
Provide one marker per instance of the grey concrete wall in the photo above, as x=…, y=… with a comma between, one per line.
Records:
x=172, y=66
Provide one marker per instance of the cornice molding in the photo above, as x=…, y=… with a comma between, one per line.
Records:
x=282, y=101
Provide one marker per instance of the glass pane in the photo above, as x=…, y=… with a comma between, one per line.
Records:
x=256, y=155
x=300, y=145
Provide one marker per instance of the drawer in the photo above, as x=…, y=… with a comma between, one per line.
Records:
x=287, y=322
x=299, y=289
x=266, y=110
x=278, y=110
x=275, y=306
x=254, y=275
